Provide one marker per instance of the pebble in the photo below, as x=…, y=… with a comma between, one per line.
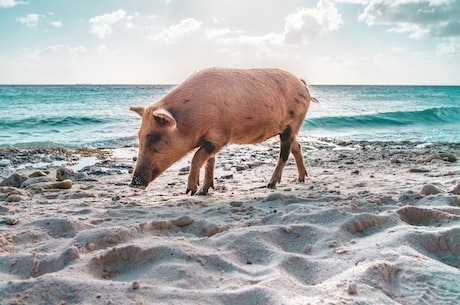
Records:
x=419, y=170
x=429, y=189
x=13, y=198
x=9, y=221
x=352, y=288
x=210, y=229
x=455, y=190
x=236, y=204
x=39, y=174
x=183, y=221
x=14, y=180
x=135, y=285
x=66, y=184
x=36, y=180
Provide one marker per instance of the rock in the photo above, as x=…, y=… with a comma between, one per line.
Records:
x=14, y=180
x=210, y=229
x=429, y=189
x=409, y=195
x=419, y=170
x=64, y=173
x=236, y=204
x=183, y=221
x=66, y=184
x=352, y=288
x=432, y=157
x=13, y=198
x=449, y=157
x=36, y=180
x=9, y=221
x=455, y=190
x=39, y=174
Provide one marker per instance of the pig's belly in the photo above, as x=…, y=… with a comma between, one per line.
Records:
x=251, y=131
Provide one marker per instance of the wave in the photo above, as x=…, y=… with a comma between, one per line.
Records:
x=40, y=122
x=432, y=116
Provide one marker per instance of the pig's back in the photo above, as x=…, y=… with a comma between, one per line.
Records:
x=246, y=106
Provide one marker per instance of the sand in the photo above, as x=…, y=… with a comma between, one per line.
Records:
x=375, y=223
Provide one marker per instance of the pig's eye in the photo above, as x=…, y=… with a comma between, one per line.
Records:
x=153, y=138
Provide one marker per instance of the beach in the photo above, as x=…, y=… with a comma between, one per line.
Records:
x=374, y=223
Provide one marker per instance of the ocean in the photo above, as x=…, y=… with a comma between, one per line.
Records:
x=75, y=116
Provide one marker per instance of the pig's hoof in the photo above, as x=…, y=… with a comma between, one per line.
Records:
x=192, y=192
x=136, y=186
x=272, y=185
x=203, y=192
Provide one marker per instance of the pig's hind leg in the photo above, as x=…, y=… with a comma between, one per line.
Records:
x=286, y=139
x=296, y=150
x=205, y=153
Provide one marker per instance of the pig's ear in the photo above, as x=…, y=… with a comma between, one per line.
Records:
x=164, y=119
x=138, y=110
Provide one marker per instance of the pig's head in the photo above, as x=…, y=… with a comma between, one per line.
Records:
x=156, y=135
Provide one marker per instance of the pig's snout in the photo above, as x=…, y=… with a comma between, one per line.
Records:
x=138, y=182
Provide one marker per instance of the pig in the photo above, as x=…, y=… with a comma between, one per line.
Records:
x=215, y=107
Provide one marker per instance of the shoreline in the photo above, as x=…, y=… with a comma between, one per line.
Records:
x=375, y=222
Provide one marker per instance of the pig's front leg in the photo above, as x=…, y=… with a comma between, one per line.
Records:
x=205, y=153
x=208, y=176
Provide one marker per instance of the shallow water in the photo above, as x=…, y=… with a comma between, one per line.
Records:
x=98, y=116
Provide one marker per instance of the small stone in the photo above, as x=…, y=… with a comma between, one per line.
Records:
x=430, y=189
x=355, y=172
x=9, y=221
x=352, y=288
x=229, y=176
x=455, y=190
x=419, y=170
x=64, y=185
x=135, y=285
x=236, y=204
x=240, y=168
x=36, y=180
x=116, y=198
x=38, y=174
x=210, y=229
x=449, y=157
x=13, y=198
x=14, y=180
x=183, y=221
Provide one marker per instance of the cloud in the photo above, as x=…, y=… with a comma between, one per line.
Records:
x=30, y=20
x=300, y=27
x=418, y=18
x=101, y=25
x=57, y=24
x=308, y=23
x=184, y=27
x=10, y=3
x=451, y=47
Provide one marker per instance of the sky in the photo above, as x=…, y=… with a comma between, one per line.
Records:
x=408, y=42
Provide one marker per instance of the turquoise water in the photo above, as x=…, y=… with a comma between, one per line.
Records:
x=99, y=116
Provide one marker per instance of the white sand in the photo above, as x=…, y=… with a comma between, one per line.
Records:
x=358, y=232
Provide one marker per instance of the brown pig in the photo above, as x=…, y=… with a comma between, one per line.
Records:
x=219, y=106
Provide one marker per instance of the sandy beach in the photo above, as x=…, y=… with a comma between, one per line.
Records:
x=375, y=223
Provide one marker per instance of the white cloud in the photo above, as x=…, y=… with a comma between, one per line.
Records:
x=184, y=27
x=308, y=23
x=300, y=27
x=101, y=25
x=57, y=24
x=30, y=20
x=451, y=47
x=418, y=18
x=10, y=3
